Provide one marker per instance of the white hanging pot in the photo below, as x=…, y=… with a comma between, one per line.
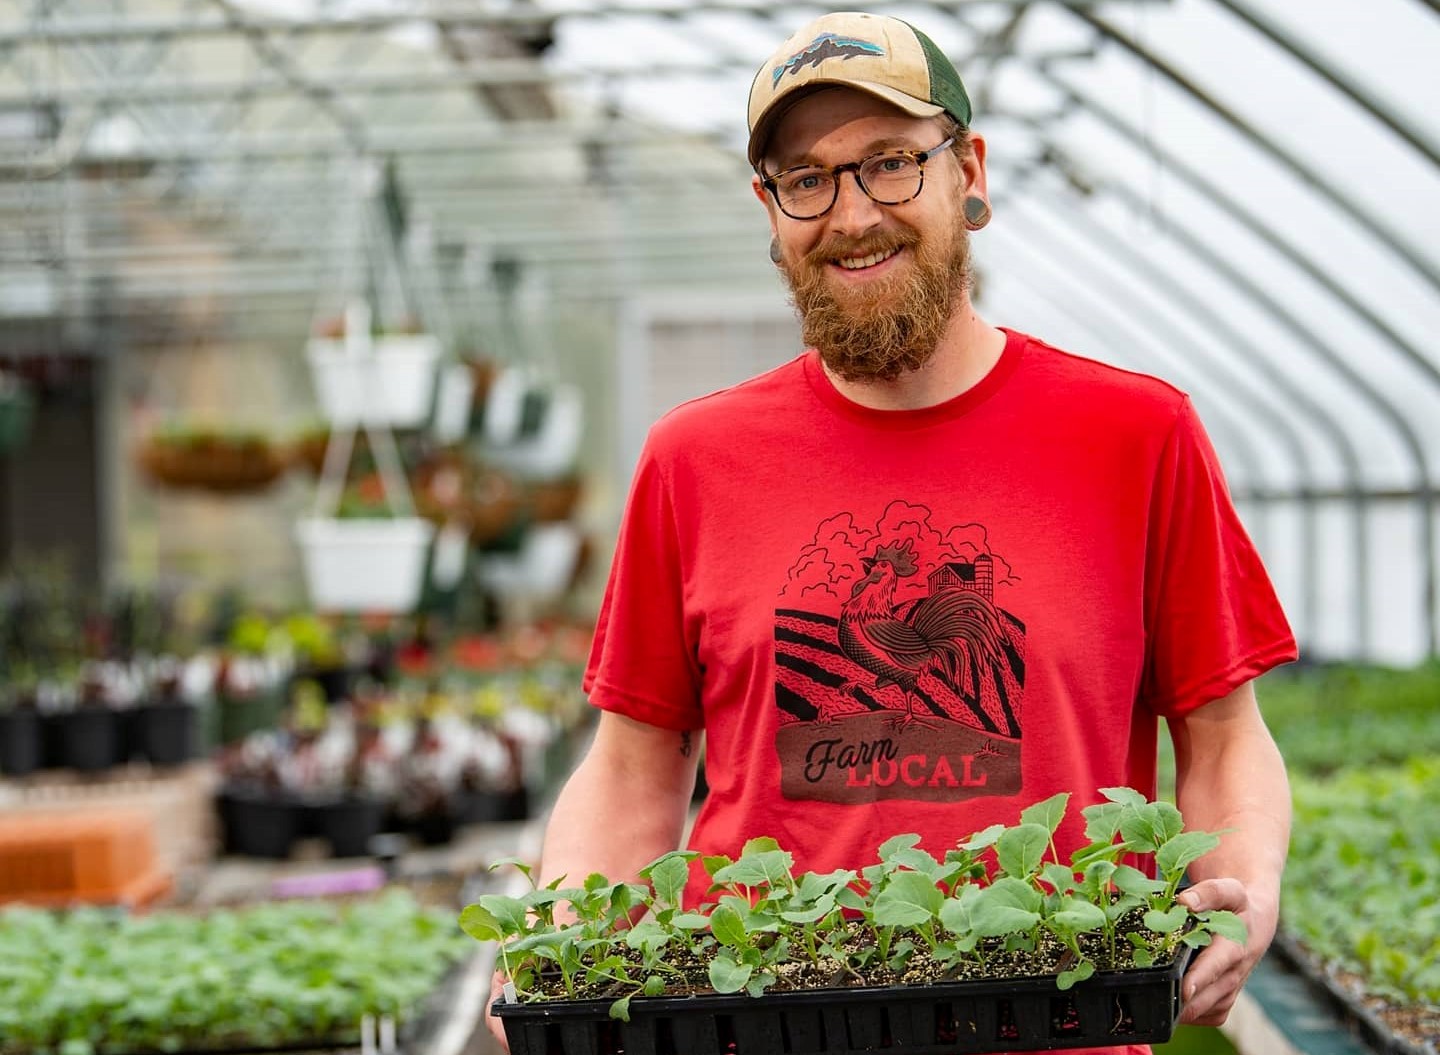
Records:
x=364, y=565
x=389, y=380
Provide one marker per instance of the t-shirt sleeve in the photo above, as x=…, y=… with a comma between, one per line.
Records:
x=642, y=661
x=1212, y=618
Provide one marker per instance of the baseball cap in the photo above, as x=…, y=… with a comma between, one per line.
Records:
x=884, y=56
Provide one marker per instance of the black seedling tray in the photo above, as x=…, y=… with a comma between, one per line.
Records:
x=944, y=1018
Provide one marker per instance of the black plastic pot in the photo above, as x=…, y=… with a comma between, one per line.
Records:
x=257, y=823
x=348, y=823
x=164, y=734
x=20, y=748
x=946, y=1018
x=492, y=806
x=87, y=739
x=434, y=827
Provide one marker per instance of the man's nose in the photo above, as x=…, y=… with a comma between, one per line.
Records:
x=854, y=211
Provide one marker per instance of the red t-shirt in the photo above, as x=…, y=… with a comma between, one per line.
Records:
x=923, y=621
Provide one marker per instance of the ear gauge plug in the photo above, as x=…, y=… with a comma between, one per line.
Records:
x=775, y=257
x=977, y=212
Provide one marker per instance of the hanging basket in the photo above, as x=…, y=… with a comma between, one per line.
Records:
x=364, y=565
x=392, y=382
x=211, y=461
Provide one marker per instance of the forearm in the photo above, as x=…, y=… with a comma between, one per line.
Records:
x=1230, y=778
x=625, y=804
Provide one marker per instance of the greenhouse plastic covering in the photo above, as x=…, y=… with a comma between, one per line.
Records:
x=1241, y=196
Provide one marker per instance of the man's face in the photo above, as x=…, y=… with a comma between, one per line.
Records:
x=876, y=285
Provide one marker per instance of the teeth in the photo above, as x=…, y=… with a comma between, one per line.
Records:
x=856, y=263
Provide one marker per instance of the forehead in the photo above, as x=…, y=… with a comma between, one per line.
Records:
x=837, y=124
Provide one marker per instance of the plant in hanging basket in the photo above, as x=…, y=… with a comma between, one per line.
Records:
x=217, y=460
x=997, y=946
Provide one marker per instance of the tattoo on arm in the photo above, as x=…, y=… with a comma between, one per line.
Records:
x=685, y=747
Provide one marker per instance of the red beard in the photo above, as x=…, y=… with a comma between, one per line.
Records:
x=889, y=327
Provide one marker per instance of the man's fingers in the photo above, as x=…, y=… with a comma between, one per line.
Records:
x=492, y=1020
x=1211, y=895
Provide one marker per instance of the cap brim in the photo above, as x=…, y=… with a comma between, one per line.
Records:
x=760, y=134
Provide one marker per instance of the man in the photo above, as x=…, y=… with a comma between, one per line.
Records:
x=930, y=571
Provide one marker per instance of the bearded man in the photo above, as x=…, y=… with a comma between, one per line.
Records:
x=930, y=571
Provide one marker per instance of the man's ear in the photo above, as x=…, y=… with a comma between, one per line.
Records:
x=973, y=167
x=766, y=200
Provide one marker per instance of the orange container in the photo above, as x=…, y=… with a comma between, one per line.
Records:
x=100, y=856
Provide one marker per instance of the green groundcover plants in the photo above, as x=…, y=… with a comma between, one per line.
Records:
x=93, y=982
x=999, y=904
x=1362, y=889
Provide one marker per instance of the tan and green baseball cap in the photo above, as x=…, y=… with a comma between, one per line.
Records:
x=884, y=56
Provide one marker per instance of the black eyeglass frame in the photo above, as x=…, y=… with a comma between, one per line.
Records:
x=918, y=156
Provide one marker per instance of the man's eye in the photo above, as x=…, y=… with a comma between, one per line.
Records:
x=808, y=181
x=893, y=164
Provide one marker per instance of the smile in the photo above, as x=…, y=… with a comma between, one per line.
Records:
x=858, y=262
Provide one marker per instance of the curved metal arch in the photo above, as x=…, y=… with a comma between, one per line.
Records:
x=1306, y=335
x=1272, y=32
x=1426, y=490
x=1098, y=319
x=1375, y=225
x=1185, y=298
x=1156, y=346
x=1200, y=183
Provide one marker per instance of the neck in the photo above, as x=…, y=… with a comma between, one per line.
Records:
x=968, y=350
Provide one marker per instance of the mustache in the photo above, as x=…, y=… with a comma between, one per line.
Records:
x=834, y=247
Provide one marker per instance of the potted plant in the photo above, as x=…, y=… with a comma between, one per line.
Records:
x=225, y=461
x=369, y=556
x=998, y=946
x=257, y=818
x=86, y=726
x=249, y=680
x=370, y=373
x=165, y=728
x=20, y=744
x=319, y=656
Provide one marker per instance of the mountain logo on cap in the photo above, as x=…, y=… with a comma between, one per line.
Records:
x=825, y=46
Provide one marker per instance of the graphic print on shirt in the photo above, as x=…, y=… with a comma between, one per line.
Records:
x=899, y=675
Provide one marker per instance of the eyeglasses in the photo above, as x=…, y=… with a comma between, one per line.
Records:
x=890, y=177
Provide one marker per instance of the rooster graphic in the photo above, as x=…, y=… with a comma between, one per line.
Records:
x=948, y=632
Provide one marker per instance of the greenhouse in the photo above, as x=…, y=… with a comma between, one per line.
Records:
x=341, y=346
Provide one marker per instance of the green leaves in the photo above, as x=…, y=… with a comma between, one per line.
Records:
x=291, y=973
x=1002, y=894
x=728, y=927
x=908, y=900
x=1021, y=849
x=727, y=976
x=669, y=875
x=1179, y=852
x=1167, y=921
x=1047, y=814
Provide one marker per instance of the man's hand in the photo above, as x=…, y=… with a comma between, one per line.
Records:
x=492, y=1021
x=1212, y=983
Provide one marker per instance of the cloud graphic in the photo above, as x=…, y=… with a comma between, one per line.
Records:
x=831, y=563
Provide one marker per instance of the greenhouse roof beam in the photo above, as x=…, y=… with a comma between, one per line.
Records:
x=1153, y=274
x=1309, y=339
x=278, y=59
x=1248, y=218
x=70, y=31
x=495, y=71
x=1274, y=33
x=1376, y=226
x=1102, y=319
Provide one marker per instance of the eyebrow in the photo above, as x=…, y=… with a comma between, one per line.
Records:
x=895, y=142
